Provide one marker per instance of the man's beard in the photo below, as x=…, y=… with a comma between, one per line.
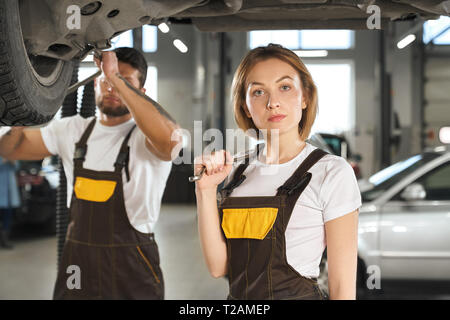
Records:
x=113, y=111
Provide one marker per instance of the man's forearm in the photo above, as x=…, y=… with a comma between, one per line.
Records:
x=155, y=104
x=155, y=122
x=10, y=141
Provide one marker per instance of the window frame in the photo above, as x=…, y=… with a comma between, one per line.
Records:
x=352, y=106
x=156, y=39
x=121, y=34
x=434, y=35
x=351, y=47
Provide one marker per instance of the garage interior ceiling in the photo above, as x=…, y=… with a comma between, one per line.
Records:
x=309, y=14
x=46, y=33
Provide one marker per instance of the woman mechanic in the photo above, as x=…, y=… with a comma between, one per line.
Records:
x=284, y=204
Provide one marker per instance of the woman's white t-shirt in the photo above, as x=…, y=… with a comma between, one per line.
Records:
x=332, y=192
x=148, y=174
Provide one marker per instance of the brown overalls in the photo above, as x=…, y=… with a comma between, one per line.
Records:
x=114, y=259
x=254, y=228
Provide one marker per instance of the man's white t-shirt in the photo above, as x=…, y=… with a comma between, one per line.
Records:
x=148, y=174
x=332, y=192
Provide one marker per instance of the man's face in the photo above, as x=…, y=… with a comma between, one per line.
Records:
x=107, y=98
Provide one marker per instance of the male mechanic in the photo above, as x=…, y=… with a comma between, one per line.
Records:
x=116, y=166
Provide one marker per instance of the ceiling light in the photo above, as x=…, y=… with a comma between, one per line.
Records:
x=406, y=41
x=163, y=27
x=180, y=45
x=444, y=135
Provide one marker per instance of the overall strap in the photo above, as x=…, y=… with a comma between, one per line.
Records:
x=300, y=178
x=237, y=179
x=238, y=176
x=294, y=186
x=124, y=155
x=81, y=145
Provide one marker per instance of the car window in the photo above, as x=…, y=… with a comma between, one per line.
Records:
x=334, y=144
x=437, y=183
x=388, y=177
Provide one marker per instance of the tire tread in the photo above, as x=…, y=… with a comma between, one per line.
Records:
x=13, y=110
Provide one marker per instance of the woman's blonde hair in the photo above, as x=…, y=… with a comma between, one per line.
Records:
x=259, y=54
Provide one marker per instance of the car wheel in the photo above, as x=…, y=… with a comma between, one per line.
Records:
x=32, y=88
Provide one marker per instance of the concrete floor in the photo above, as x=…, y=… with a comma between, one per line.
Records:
x=29, y=271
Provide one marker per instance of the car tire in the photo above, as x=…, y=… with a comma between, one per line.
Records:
x=32, y=88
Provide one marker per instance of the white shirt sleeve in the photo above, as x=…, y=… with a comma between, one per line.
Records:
x=142, y=152
x=50, y=134
x=4, y=130
x=58, y=134
x=339, y=193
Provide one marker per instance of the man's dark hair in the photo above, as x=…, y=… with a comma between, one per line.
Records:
x=134, y=58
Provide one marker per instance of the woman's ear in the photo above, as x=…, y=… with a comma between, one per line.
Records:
x=304, y=104
x=247, y=113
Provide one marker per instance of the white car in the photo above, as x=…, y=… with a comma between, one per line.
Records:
x=404, y=223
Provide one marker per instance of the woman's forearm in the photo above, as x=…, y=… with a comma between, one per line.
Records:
x=211, y=238
x=342, y=255
x=342, y=291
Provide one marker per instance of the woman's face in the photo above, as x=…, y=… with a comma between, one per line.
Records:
x=274, y=96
